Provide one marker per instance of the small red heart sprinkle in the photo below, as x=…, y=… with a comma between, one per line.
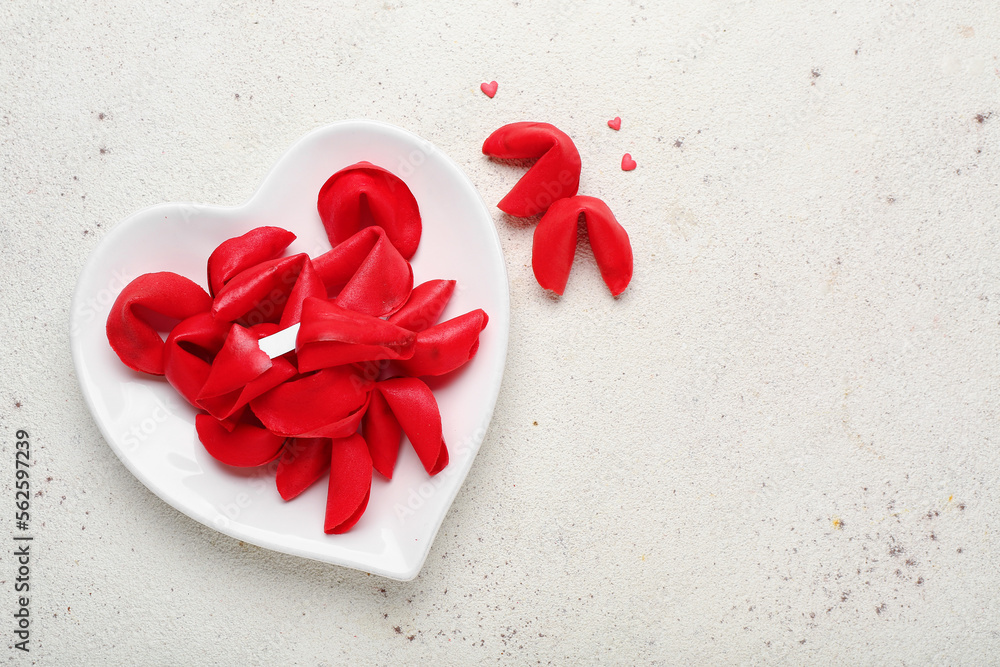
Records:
x=628, y=164
x=489, y=88
x=615, y=124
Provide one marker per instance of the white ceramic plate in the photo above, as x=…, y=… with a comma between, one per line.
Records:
x=151, y=428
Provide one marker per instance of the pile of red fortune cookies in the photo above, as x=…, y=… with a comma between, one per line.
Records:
x=338, y=403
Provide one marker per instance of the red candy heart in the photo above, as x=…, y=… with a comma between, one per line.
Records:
x=489, y=88
x=628, y=164
x=615, y=123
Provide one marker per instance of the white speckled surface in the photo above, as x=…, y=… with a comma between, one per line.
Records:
x=780, y=445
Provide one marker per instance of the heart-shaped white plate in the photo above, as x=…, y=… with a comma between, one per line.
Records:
x=151, y=428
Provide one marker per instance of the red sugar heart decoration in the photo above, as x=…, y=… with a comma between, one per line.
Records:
x=615, y=123
x=628, y=164
x=489, y=88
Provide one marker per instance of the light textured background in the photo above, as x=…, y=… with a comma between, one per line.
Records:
x=779, y=445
